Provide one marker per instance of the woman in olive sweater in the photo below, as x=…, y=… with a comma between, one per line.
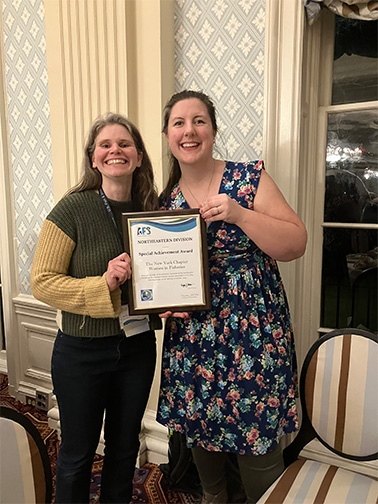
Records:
x=81, y=269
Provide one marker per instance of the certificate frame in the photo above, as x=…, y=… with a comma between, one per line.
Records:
x=169, y=261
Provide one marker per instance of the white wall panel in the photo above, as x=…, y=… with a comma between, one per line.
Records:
x=87, y=66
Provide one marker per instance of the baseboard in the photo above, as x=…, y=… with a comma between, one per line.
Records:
x=156, y=438
x=3, y=362
x=316, y=451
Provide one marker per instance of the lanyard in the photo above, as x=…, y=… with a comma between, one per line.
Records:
x=110, y=212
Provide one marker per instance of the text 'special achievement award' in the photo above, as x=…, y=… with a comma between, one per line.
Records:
x=168, y=251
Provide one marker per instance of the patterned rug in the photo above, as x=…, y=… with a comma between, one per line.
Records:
x=149, y=485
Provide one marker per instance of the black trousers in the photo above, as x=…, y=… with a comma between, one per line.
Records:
x=93, y=377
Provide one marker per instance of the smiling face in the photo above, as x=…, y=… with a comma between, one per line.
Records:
x=190, y=132
x=115, y=155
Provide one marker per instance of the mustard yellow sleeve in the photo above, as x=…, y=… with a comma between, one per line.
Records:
x=51, y=284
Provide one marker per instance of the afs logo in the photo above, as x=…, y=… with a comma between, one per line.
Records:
x=144, y=231
x=146, y=295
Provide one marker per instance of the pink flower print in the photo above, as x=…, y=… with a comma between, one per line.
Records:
x=269, y=347
x=229, y=419
x=252, y=435
x=292, y=411
x=175, y=192
x=243, y=191
x=226, y=331
x=237, y=174
x=225, y=313
x=260, y=379
x=260, y=407
x=233, y=395
x=282, y=350
x=231, y=376
x=193, y=338
x=243, y=325
x=270, y=317
x=169, y=397
x=274, y=402
x=277, y=333
x=208, y=375
x=189, y=394
x=248, y=375
x=283, y=422
x=238, y=354
x=254, y=320
x=222, y=233
x=212, y=448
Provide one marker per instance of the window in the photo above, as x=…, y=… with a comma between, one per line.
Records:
x=350, y=214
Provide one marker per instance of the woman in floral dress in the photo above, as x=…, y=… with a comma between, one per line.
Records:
x=229, y=374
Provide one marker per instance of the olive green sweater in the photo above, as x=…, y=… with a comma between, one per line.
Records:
x=77, y=240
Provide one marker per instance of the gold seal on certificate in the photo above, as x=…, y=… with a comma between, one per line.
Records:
x=168, y=251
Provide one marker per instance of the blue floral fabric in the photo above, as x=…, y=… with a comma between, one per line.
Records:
x=229, y=374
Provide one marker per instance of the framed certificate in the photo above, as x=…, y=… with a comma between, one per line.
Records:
x=168, y=251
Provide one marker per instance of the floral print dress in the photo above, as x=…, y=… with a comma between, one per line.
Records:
x=229, y=374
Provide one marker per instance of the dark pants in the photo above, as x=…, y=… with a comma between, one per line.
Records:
x=257, y=472
x=92, y=376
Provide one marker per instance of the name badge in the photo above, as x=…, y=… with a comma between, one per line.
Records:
x=133, y=324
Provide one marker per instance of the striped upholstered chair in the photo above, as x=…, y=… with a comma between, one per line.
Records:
x=25, y=471
x=339, y=399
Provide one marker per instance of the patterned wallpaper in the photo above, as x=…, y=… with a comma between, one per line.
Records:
x=219, y=49
x=29, y=124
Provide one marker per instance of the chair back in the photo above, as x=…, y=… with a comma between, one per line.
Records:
x=25, y=470
x=339, y=392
